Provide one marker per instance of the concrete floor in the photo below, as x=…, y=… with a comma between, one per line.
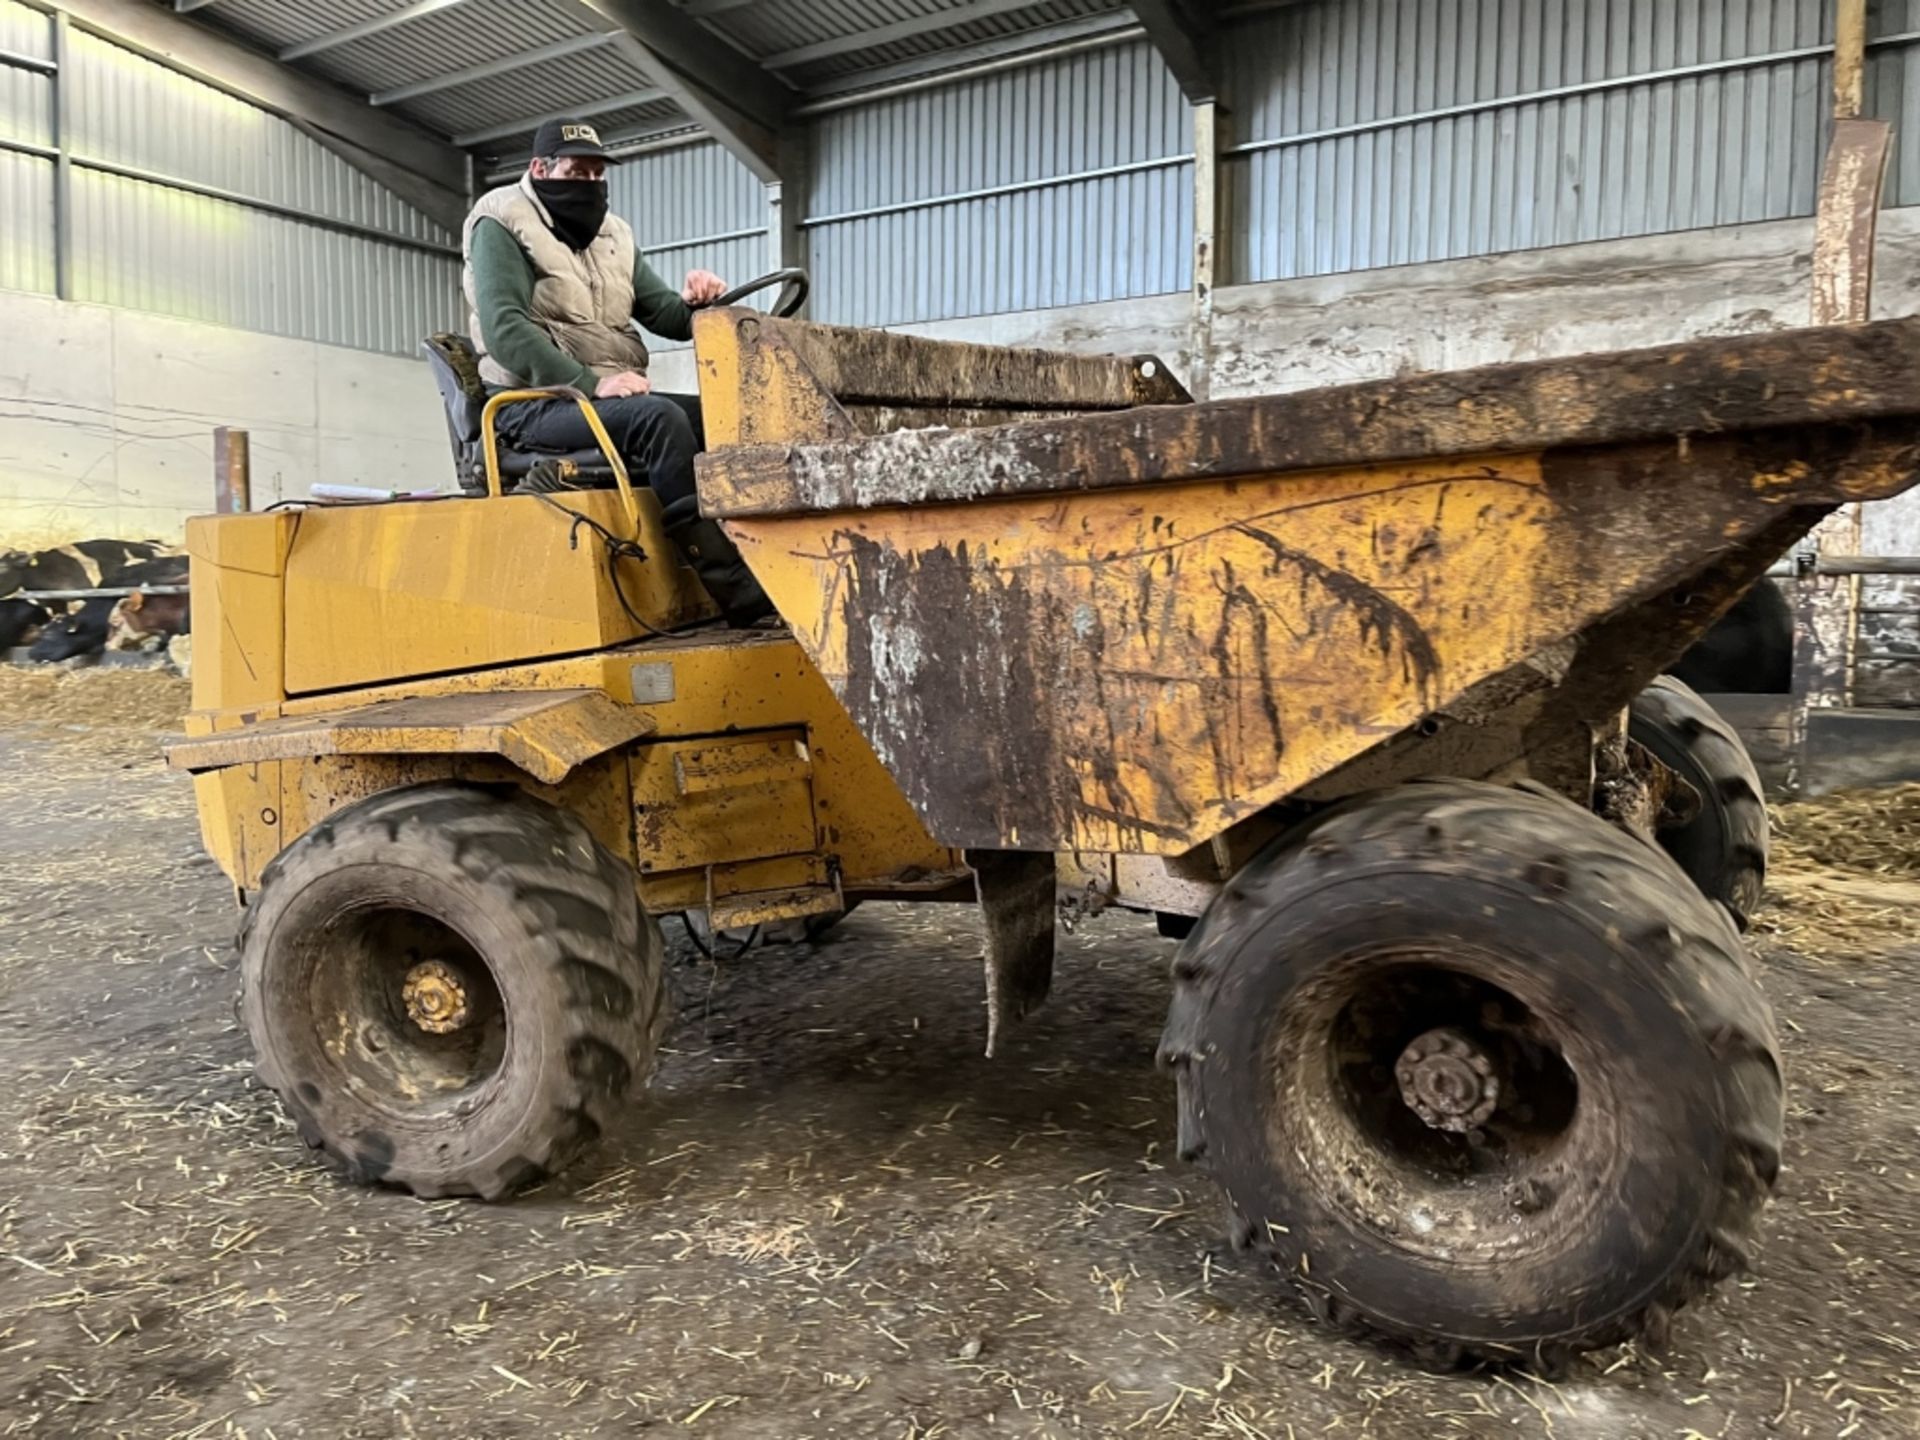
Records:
x=834, y=1219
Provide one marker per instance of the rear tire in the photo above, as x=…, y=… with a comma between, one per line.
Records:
x=1596, y=1066
x=452, y=991
x=1724, y=847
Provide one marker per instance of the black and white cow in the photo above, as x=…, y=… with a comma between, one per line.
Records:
x=83, y=565
x=83, y=630
x=20, y=622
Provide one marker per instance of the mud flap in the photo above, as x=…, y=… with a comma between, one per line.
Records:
x=1017, y=891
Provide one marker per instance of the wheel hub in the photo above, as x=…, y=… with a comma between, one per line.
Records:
x=436, y=997
x=1447, y=1080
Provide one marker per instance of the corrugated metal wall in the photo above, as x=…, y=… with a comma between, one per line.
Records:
x=1369, y=133
x=1386, y=132
x=694, y=207
x=307, y=259
x=26, y=181
x=898, y=228
x=1893, y=90
x=26, y=223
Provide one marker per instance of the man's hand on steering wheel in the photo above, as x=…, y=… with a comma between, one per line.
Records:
x=702, y=287
x=624, y=382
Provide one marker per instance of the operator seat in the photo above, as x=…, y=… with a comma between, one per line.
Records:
x=456, y=370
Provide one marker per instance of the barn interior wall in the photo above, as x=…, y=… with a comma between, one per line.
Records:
x=114, y=434
x=961, y=210
x=106, y=428
x=219, y=265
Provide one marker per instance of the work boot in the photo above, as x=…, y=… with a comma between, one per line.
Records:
x=716, y=560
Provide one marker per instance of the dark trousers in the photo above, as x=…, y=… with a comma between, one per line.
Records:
x=657, y=435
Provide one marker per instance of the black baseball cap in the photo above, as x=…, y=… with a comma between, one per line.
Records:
x=567, y=137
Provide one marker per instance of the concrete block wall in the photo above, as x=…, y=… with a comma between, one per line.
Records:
x=107, y=418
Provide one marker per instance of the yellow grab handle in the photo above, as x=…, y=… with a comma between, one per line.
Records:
x=600, y=437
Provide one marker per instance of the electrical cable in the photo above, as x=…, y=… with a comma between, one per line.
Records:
x=617, y=550
x=686, y=923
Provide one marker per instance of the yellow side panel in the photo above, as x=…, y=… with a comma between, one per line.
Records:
x=712, y=802
x=756, y=681
x=236, y=567
x=377, y=593
x=1136, y=670
x=242, y=819
x=691, y=686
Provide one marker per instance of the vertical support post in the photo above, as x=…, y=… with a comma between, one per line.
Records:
x=63, y=160
x=786, y=197
x=1849, y=59
x=1206, y=245
x=1848, y=207
x=232, y=471
x=776, y=224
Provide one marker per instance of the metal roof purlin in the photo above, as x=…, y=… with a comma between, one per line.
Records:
x=489, y=69
x=578, y=110
x=898, y=30
x=360, y=31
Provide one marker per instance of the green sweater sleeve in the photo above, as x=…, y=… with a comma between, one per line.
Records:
x=503, y=298
x=657, y=305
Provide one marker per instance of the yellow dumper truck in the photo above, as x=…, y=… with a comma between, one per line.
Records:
x=1338, y=680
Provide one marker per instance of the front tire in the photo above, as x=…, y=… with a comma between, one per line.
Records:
x=452, y=991
x=1479, y=1072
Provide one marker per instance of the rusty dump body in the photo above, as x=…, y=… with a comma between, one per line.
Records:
x=1123, y=635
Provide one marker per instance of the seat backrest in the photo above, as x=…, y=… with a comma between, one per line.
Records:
x=456, y=370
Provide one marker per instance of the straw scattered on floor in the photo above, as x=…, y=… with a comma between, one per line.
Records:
x=79, y=701
x=1844, y=876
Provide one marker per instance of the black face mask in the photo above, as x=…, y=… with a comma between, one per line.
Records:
x=578, y=208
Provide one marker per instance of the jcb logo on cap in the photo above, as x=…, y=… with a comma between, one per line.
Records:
x=580, y=132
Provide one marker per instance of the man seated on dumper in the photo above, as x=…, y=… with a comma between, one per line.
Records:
x=554, y=280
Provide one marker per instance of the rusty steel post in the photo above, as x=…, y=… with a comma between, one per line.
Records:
x=1847, y=210
x=232, y=471
x=1206, y=237
x=1849, y=59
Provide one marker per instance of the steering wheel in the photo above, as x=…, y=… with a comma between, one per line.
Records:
x=793, y=293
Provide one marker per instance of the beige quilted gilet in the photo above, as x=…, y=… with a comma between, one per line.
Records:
x=582, y=298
